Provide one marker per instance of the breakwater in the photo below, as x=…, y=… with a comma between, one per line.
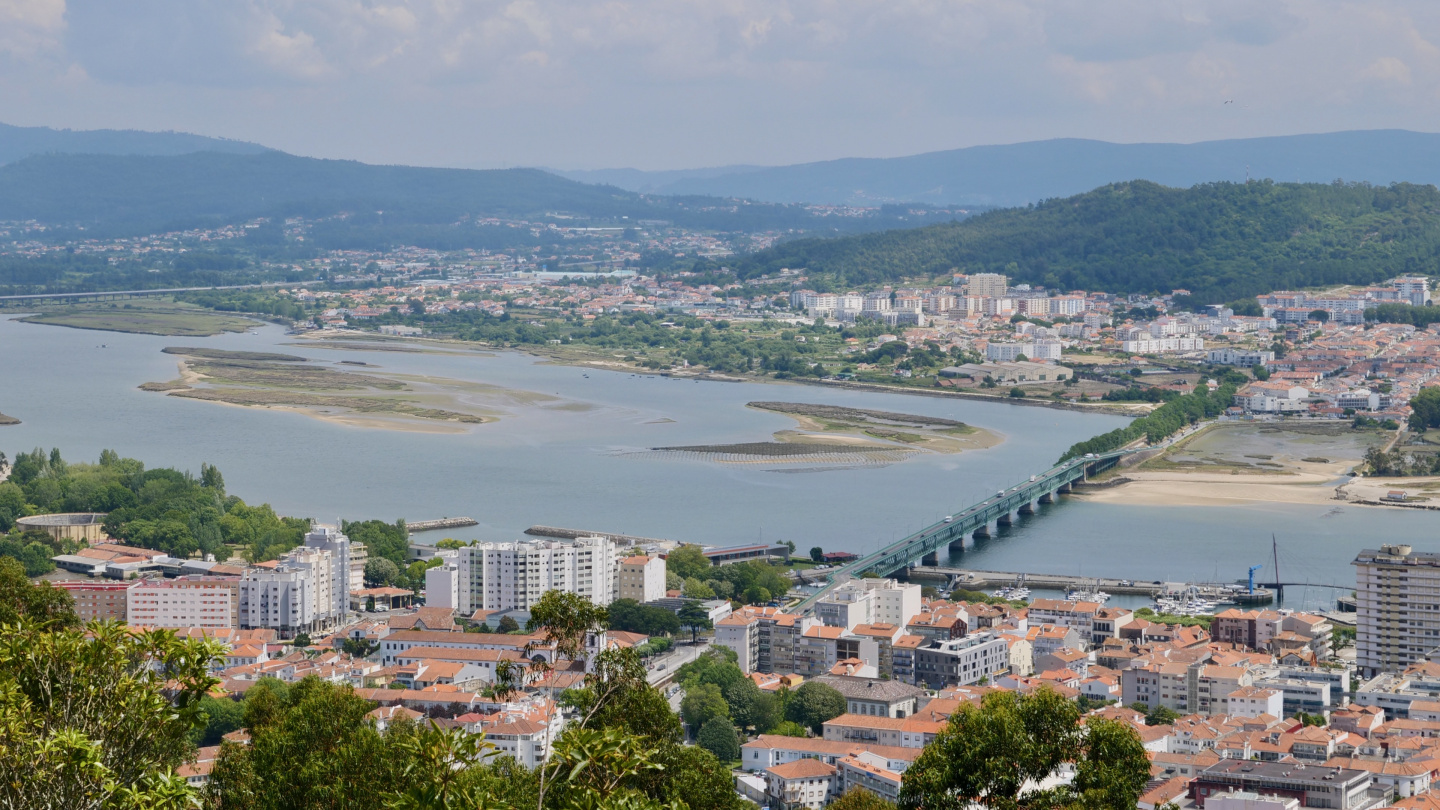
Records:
x=442, y=523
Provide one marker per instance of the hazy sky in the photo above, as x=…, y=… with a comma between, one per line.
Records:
x=686, y=83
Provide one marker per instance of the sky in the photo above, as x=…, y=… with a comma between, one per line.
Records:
x=666, y=84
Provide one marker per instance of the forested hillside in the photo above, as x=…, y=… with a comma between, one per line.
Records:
x=119, y=195
x=1221, y=241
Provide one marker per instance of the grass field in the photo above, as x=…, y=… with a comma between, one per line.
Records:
x=146, y=318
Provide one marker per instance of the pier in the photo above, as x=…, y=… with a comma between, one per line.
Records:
x=442, y=523
x=976, y=580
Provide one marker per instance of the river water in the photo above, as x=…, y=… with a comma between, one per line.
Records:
x=580, y=463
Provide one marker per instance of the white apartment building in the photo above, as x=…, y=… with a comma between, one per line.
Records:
x=641, y=578
x=334, y=591
x=1239, y=357
x=1272, y=398
x=510, y=576
x=989, y=285
x=1006, y=352
x=1397, y=607
x=358, y=557
x=1163, y=345
x=194, y=601
x=306, y=590
x=442, y=585
x=869, y=601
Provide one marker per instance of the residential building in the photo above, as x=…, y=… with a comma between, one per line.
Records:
x=765, y=639
x=306, y=590
x=867, y=771
x=641, y=578
x=961, y=661
x=768, y=750
x=988, y=285
x=869, y=601
x=1397, y=607
x=879, y=698
x=96, y=601
x=514, y=575
x=1312, y=786
x=805, y=783
x=193, y=601
x=1240, y=357
x=442, y=585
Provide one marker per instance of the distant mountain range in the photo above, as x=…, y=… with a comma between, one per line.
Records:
x=1017, y=174
x=18, y=143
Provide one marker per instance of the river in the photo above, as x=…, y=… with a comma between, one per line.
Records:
x=579, y=465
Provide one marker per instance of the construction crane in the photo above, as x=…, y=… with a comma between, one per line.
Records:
x=1253, y=569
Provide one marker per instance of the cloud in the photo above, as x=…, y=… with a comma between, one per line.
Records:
x=30, y=28
x=688, y=82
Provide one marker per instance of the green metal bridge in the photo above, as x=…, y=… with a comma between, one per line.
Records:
x=999, y=509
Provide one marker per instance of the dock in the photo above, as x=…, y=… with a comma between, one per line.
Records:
x=442, y=523
x=621, y=539
x=976, y=580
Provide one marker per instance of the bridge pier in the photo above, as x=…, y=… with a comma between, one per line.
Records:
x=1047, y=497
x=959, y=543
x=983, y=531
x=932, y=559
x=1028, y=508
x=1066, y=488
x=1005, y=519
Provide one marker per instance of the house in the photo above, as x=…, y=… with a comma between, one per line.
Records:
x=806, y=783
x=879, y=698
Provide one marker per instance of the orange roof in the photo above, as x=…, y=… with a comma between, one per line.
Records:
x=803, y=769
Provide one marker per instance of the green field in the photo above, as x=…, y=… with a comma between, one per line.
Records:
x=147, y=318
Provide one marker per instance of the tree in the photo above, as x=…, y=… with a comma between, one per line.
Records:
x=86, y=719
x=718, y=737
x=858, y=798
x=359, y=647
x=631, y=616
x=817, y=554
x=688, y=561
x=1425, y=409
x=695, y=589
x=813, y=704
x=221, y=716
x=568, y=620
x=1319, y=315
x=757, y=595
x=701, y=703
x=1261, y=373
x=507, y=624
x=997, y=755
x=302, y=640
x=380, y=572
x=41, y=603
x=788, y=728
x=750, y=707
x=694, y=617
x=370, y=603
x=1017, y=393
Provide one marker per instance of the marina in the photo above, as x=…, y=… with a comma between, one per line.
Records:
x=1169, y=597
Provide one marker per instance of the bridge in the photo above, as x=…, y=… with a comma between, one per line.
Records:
x=114, y=295
x=982, y=520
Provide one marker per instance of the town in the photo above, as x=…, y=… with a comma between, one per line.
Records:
x=1250, y=707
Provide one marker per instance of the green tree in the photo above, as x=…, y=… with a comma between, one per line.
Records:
x=1261, y=373
x=569, y=621
x=85, y=717
x=757, y=595
x=1425, y=409
x=507, y=625
x=694, y=617
x=817, y=554
x=997, y=754
x=788, y=728
x=695, y=589
x=751, y=708
x=813, y=704
x=718, y=737
x=221, y=716
x=688, y=561
x=701, y=703
x=858, y=798
x=1319, y=315
x=41, y=603
x=359, y=647
x=380, y=572
x=302, y=640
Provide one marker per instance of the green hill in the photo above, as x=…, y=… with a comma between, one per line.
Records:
x=117, y=195
x=1221, y=241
